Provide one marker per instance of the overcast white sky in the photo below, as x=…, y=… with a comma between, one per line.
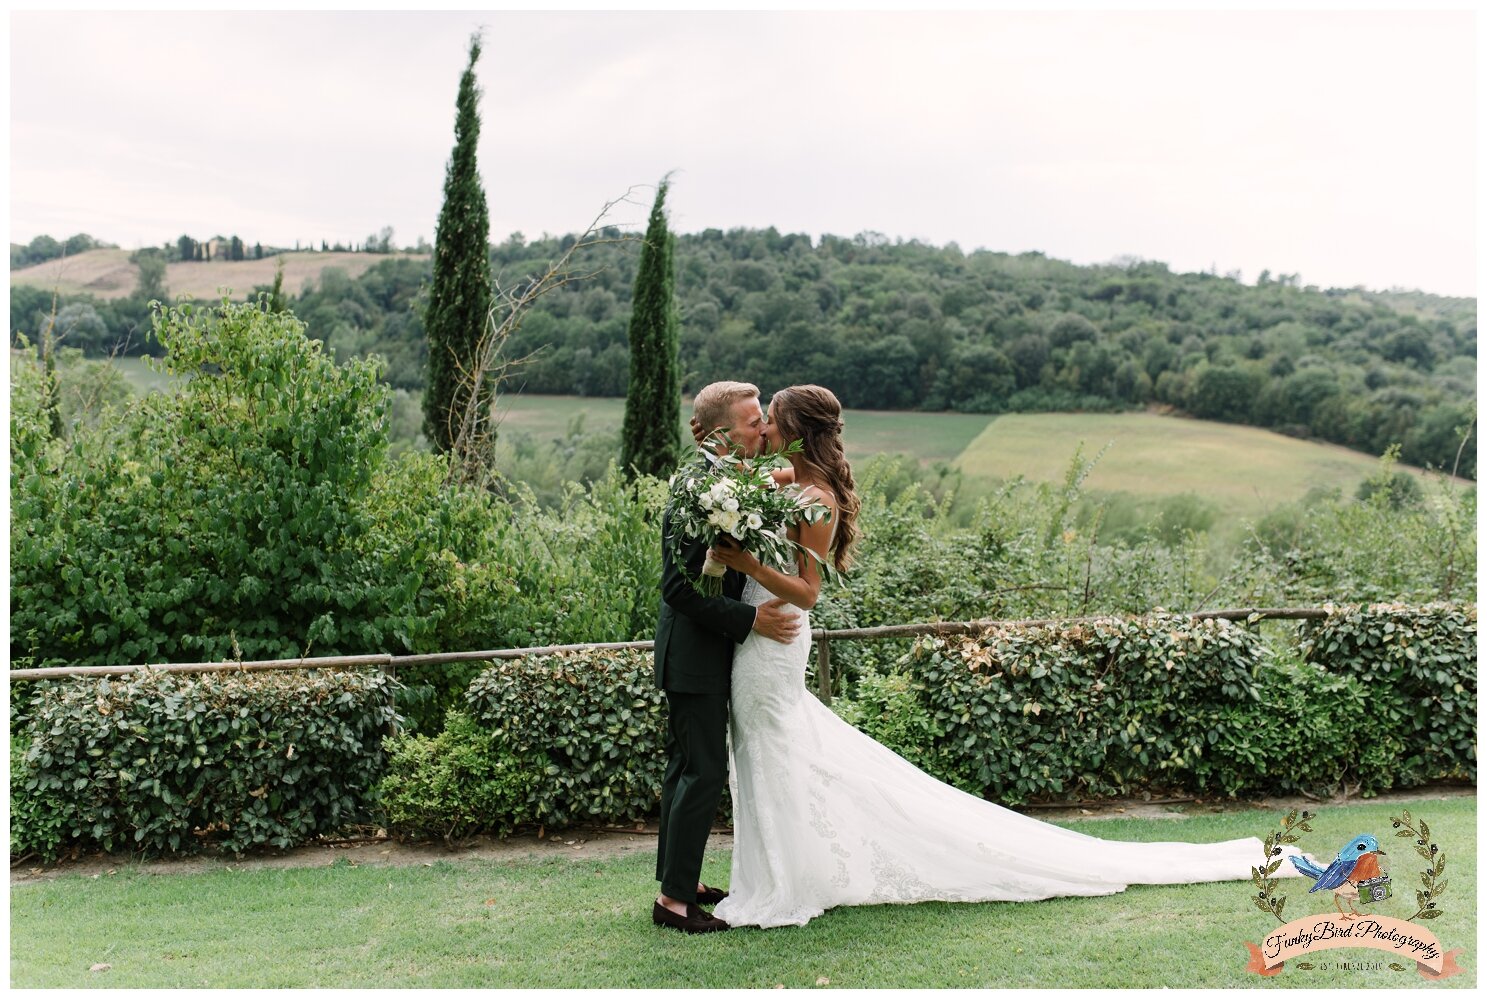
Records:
x=1337, y=145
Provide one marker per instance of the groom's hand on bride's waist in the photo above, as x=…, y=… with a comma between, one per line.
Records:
x=777, y=620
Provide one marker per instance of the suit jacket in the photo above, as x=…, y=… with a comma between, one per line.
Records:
x=696, y=635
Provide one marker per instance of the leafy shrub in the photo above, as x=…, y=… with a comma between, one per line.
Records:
x=515, y=574
x=1099, y=708
x=1309, y=731
x=448, y=542
x=1400, y=489
x=588, y=570
x=1330, y=549
x=455, y=783
x=591, y=724
x=889, y=707
x=228, y=513
x=254, y=511
x=1419, y=668
x=1112, y=706
x=159, y=761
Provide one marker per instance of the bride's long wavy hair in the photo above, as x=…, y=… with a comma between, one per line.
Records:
x=813, y=415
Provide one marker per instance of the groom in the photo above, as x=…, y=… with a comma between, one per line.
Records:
x=695, y=639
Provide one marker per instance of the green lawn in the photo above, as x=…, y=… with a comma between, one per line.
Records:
x=558, y=922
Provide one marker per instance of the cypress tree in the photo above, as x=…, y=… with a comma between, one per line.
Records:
x=651, y=440
x=460, y=293
x=276, y=300
x=51, y=389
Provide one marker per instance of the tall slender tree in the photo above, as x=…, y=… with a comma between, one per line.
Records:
x=651, y=439
x=51, y=388
x=460, y=293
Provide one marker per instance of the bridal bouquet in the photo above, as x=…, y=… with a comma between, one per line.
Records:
x=735, y=497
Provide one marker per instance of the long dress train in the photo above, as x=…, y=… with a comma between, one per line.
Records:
x=825, y=816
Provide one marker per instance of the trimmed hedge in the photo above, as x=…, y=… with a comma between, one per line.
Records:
x=1419, y=667
x=591, y=725
x=889, y=708
x=166, y=762
x=1109, y=707
x=1116, y=706
x=1099, y=708
x=1310, y=731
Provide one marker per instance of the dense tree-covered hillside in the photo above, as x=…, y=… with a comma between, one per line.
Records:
x=904, y=325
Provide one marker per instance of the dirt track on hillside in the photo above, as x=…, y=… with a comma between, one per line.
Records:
x=588, y=844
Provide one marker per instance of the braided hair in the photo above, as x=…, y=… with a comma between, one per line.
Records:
x=813, y=415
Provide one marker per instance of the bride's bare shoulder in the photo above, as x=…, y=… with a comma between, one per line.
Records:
x=819, y=494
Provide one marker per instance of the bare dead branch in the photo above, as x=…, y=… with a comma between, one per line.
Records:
x=473, y=424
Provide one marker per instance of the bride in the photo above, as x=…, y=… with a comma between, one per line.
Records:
x=824, y=816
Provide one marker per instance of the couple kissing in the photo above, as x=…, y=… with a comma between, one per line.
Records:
x=825, y=816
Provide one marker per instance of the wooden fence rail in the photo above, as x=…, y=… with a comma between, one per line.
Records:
x=822, y=636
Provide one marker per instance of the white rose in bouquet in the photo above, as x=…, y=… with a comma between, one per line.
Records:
x=726, y=520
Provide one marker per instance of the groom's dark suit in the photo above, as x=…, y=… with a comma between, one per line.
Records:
x=695, y=639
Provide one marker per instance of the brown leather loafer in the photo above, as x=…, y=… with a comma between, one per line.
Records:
x=710, y=896
x=695, y=921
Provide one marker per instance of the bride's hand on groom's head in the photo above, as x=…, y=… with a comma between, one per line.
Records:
x=701, y=436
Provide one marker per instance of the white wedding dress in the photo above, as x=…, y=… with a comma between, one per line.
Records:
x=825, y=816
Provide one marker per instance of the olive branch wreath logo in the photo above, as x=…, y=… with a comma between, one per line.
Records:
x=1266, y=899
x=1434, y=857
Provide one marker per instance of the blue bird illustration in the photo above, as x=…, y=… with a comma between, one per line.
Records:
x=1357, y=861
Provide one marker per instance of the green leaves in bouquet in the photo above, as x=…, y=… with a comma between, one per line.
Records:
x=751, y=483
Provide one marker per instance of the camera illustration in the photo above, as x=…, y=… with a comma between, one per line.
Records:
x=1374, y=889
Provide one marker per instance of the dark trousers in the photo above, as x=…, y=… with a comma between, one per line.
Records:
x=696, y=771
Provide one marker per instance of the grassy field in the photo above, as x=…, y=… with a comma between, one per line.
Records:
x=137, y=372
x=109, y=274
x=554, y=922
x=1245, y=471
x=932, y=436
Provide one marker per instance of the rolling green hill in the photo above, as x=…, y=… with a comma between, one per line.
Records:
x=895, y=326
x=1243, y=471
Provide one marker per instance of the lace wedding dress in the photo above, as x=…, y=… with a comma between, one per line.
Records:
x=825, y=816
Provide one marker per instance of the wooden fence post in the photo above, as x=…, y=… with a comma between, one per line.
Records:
x=390, y=670
x=823, y=671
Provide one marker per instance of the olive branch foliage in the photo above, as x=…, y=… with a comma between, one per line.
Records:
x=1266, y=899
x=1435, y=860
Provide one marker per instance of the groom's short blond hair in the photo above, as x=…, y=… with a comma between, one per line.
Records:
x=713, y=406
